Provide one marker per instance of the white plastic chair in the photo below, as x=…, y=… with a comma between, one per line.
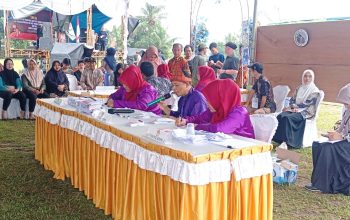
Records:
x=265, y=126
x=14, y=109
x=280, y=93
x=310, y=132
x=73, y=82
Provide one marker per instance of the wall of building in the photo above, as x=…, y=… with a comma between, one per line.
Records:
x=327, y=53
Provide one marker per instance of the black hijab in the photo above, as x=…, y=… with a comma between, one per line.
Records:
x=9, y=77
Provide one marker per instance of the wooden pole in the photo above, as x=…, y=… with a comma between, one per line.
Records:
x=89, y=33
x=7, y=35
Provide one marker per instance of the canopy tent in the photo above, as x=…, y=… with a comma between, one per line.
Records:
x=110, y=8
x=73, y=51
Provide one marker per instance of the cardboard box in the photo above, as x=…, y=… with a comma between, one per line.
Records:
x=285, y=170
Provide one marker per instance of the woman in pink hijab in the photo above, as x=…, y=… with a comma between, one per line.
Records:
x=206, y=75
x=152, y=55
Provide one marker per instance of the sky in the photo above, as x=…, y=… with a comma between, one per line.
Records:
x=226, y=17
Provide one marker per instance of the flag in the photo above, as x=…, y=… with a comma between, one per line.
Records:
x=78, y=31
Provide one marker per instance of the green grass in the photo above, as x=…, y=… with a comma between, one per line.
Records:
x=27, y=191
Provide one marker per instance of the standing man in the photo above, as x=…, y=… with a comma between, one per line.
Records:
x=197, y=61
x=178, y=65
x=215, y=57
x=103, y=38
x=229, y=68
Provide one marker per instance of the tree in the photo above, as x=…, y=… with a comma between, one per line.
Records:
x=150, y=31
x=116, y=38
x=231, y=37
x=202, y=33
x=2, y=31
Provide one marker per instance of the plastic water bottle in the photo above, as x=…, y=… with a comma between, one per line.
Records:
x=190, y=129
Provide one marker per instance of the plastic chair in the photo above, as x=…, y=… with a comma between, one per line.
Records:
x=280, y=93
x=14, y=109
x=265, y=126
x=310, y=132
x=73, y=82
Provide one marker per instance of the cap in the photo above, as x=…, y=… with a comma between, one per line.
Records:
x=257, y=66
x=202, y=46
x=231, y=45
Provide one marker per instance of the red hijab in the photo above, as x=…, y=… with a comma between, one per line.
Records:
x=163, y=71
x=206, y=75
x=132, y=78
x=223, y=95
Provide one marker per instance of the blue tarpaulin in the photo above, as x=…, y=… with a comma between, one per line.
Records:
x=98, y=20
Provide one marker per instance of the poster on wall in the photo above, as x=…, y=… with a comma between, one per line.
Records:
x=26, y=28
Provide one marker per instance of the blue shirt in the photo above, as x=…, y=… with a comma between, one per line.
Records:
x=217, y=57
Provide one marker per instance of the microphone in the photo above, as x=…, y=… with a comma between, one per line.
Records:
x=166, y=96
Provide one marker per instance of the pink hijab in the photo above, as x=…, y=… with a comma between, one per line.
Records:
x=147, y=57
x=206, y=75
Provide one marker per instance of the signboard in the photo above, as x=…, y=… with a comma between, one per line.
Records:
x=26, y=28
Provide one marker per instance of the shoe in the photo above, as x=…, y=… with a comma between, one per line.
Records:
x=4, y=115
x=312, y=188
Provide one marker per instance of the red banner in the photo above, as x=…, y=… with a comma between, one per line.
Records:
x=26, y=28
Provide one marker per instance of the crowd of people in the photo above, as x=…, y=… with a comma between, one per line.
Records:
x=209, y=96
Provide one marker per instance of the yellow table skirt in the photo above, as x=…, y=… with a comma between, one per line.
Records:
x=126, y=191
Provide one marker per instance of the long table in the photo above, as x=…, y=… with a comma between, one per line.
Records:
x=106, y=93
x=132, y=177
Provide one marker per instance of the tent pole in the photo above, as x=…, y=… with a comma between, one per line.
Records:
x=7, y=35
x=89, y=34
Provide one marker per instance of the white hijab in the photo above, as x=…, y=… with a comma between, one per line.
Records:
x=306, y=89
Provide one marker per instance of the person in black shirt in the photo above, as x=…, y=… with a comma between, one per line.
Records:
x=263, y=102
x=229, y=68
x=80, y=70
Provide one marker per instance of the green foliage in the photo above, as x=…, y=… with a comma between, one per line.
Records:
x=20, y=44
x=150, y=31
x=2, y=31
x=116, y=35
x=202, y=33
x=229, y=38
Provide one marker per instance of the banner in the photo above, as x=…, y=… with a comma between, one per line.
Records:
x=26, y=28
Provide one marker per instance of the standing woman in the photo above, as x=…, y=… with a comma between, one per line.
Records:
x=10, y=87
x=33, y=85
x=291, y=122
x=56, y=81
x=152, y=55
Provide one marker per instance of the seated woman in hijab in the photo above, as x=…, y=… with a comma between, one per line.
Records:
x=303, y=105
x=134, y=93
x=152, y=55
x=206, y=75
x=56, y=81
x=225, y=113
x=163, y=71
x=191, y=101
x=10, y=88
x=118, y=71
x=331, y=160
x=33, y=85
